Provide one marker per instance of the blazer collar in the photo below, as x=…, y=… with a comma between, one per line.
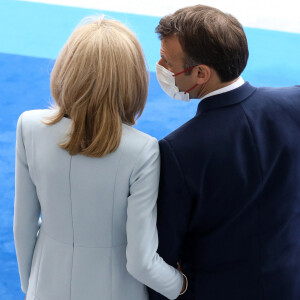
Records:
x=225, y=99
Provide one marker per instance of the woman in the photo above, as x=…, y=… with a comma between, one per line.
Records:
x=93, y=177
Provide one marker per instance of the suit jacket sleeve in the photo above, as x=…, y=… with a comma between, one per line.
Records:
x=26, y=210
x=174, y=207
x=143, y=262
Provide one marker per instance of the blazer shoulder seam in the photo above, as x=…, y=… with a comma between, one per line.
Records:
x=138, y=156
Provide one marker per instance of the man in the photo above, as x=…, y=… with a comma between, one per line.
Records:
x=229, y=199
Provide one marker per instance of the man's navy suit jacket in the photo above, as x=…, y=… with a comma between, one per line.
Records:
x=229, y=198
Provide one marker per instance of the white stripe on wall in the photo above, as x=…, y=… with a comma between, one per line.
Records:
x=267, y=14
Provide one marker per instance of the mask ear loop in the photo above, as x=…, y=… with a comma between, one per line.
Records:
x=191, y=88
x=183, y=71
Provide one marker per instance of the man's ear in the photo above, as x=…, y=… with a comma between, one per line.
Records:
x=203, y=73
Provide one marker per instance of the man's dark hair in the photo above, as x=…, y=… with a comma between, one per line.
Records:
x=210, y=37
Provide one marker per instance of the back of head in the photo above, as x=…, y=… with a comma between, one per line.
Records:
x=208, y=36
x=100, y=80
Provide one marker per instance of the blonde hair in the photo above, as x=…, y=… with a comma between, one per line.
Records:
x=101, y=81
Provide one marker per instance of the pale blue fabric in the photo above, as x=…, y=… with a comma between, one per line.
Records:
x=98, y=236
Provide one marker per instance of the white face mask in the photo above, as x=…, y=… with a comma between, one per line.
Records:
x=166, y=80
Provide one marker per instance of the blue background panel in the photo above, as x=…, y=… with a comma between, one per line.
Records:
x=40, y=30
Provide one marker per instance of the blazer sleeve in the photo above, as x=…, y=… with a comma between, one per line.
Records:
x=143, y=262
x=26, y=211
x=174, y=207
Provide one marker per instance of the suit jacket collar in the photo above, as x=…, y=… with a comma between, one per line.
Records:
x=225, y=99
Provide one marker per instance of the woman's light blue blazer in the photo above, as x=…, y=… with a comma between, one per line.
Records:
x=97, y=236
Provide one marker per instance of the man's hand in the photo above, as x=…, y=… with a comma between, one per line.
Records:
x=179, y=267
x=184, y=280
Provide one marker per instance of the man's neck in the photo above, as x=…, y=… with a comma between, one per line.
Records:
x=213, y=87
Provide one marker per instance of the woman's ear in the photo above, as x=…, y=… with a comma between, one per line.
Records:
x=203, y=73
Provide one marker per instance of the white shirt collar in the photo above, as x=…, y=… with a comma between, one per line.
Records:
x=225, y=89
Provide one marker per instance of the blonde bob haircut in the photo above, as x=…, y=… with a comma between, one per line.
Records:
x=100, y=80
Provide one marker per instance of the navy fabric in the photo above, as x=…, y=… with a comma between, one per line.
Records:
x=229, y=199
